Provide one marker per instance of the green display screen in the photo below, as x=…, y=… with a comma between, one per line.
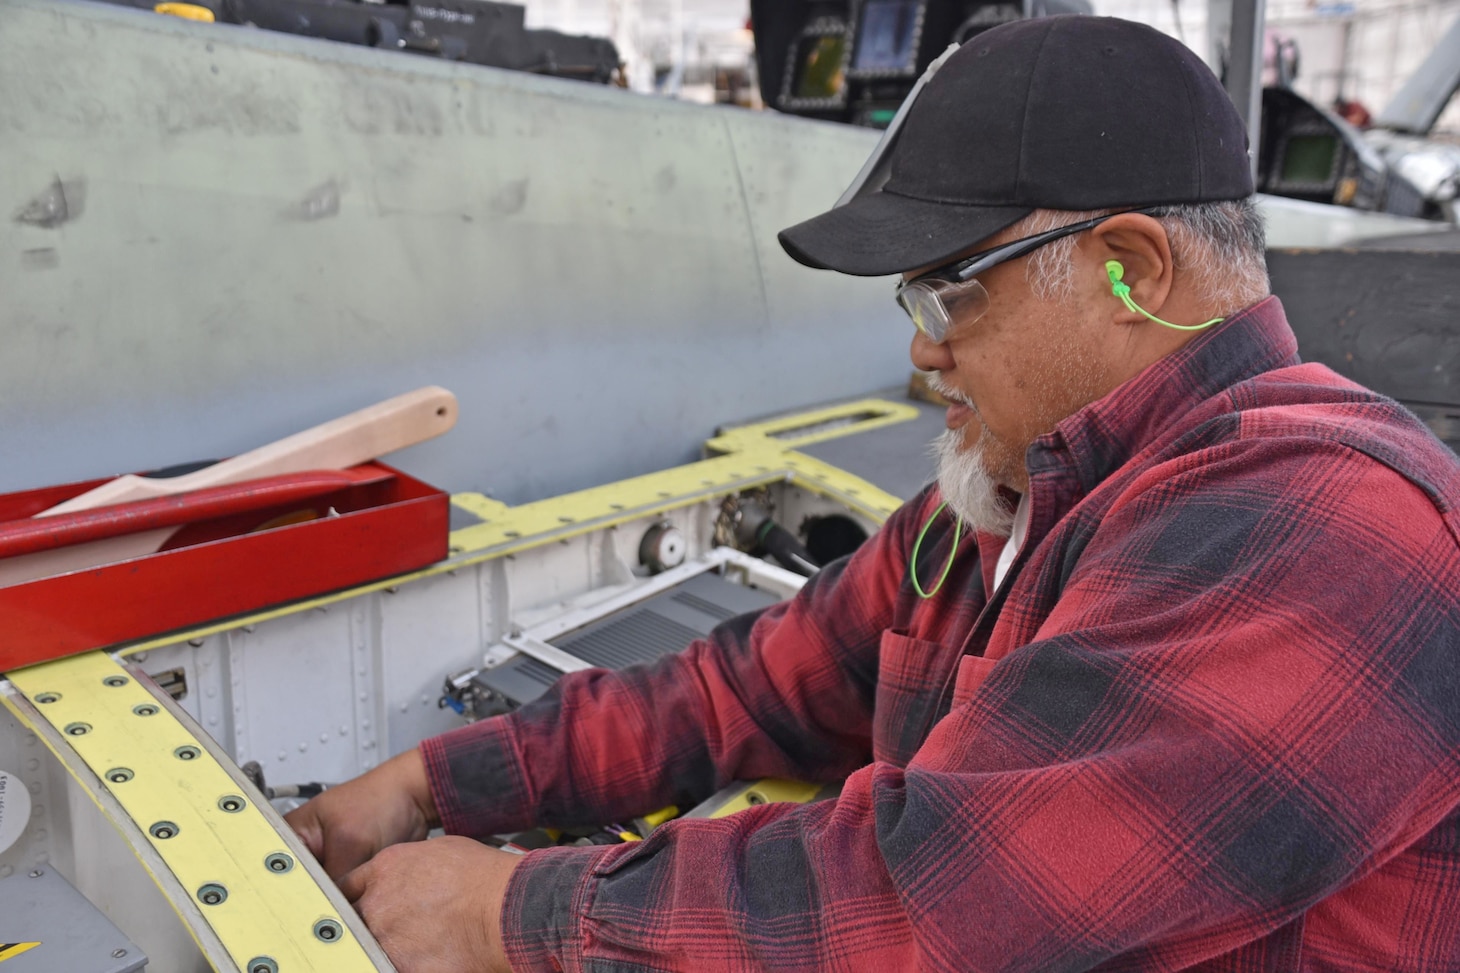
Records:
x=819, y=73
x=1309, y=158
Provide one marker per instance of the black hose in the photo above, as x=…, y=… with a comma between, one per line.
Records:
x=782, y=545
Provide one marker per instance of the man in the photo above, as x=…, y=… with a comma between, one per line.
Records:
x=1162, y=675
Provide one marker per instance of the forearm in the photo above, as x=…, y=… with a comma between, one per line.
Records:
x=610, y=745
x=786, y=693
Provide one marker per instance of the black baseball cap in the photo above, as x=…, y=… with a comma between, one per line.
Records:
x=1068, y=112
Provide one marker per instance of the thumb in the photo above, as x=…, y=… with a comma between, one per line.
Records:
x=354, y=883
x=310, y=831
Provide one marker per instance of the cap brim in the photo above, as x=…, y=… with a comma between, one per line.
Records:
x=886, y=233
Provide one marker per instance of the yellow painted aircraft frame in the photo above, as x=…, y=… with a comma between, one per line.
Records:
x=200, y=828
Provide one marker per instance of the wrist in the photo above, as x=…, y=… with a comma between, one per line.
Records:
x=408, y=771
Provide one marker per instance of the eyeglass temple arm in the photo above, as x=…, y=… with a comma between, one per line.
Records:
x=889, y=138
x=1018, y=248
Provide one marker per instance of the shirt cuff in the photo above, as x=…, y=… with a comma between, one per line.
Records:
x=544, y=908
x=477, y=779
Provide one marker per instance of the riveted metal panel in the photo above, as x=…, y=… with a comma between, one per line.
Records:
x=211, y=237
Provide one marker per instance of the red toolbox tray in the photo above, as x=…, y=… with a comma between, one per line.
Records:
x=376, y=522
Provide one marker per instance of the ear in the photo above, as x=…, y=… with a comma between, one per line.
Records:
x=1140, y=244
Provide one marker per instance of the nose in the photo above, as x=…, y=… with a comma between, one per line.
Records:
x=929, y=356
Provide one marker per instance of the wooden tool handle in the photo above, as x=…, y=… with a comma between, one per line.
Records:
x=347, y=441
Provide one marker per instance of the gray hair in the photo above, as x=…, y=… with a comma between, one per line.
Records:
x=1220, y=247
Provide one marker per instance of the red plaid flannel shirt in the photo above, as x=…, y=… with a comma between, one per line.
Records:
x=1210, y=722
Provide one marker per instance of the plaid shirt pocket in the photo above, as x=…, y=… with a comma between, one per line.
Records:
x=908, y=672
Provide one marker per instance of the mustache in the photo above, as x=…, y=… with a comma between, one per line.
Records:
x=938, y=384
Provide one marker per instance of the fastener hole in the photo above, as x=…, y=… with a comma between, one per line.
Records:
x=77, y=729
x=754, y=797
x=115, y=682
x=212, y=894
x=328, y=931
x=119, y=775
x=187, y=753
x=145, y=709
x=163, y=830
x=279, y=863
x=232, y=803
x=44, y=698
x=262, y=964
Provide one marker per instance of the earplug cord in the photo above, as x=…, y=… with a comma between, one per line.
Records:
x=912, y=563
x=1115, y=271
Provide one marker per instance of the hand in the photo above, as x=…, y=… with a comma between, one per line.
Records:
x=435, y=906
x=348, y=825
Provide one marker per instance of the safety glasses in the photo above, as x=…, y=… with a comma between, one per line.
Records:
x=952, y=293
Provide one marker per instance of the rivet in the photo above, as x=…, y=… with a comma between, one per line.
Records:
x=37, y=873
x=328, y=931
x=231, y=803
x=145, y=709
x=77, y=729
x=212, y=894
x=118, y=953
x=262, y=964
x=187, y=753
x=163, y=830
x=45, y=698
x=119, y=775
x=115, y=681
x=279, y=863
x=196, y=643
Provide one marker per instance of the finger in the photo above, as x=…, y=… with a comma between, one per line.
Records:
x=355, y=883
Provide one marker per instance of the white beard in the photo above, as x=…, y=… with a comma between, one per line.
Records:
x=963, y=476
x=968, y=488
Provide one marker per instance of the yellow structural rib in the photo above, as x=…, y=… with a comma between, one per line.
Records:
x=247, y=877
x=760, y=459
x=819, y=425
